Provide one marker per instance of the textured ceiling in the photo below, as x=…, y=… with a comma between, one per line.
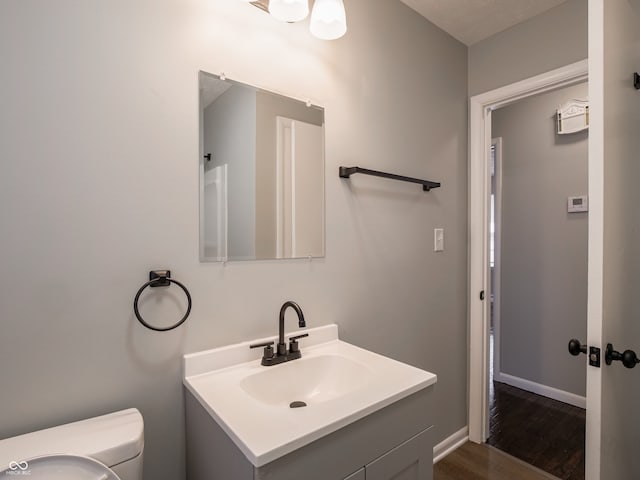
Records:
x=473, y=20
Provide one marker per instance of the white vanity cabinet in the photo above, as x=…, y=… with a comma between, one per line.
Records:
x=393, y=443
x=413, y=460
x=355, y=414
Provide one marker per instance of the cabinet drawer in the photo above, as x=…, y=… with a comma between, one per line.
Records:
x=359, y=475
x=411, y=460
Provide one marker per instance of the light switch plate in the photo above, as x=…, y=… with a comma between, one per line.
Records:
x=438, y=239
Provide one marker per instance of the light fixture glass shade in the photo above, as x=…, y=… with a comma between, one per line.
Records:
x=328, y=19
x=289, y=10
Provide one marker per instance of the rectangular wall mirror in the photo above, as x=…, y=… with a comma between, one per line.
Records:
x=261, y=174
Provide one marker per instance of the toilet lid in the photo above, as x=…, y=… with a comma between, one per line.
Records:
x=59, y=467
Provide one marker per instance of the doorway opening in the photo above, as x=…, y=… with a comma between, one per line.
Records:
x=538, y=250
x=482, y=256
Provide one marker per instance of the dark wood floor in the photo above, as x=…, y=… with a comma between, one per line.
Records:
x=484, y=462
x=538, y=430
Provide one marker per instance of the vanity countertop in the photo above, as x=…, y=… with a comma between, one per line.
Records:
x=339, y=382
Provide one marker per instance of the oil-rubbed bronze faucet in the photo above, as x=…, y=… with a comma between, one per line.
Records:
x=282, y=355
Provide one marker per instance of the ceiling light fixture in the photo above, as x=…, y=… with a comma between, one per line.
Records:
x=289, y=10
x=328, y=17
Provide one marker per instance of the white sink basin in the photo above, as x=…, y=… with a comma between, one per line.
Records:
x=339, y=383
x=312, y=380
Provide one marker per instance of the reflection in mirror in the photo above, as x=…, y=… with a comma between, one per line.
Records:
x=261, y=174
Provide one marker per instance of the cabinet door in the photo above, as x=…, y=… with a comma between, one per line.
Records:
x=359, y=475
x=412, y=460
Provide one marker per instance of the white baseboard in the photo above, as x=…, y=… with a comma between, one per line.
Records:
x=544, y=390
x=449, y=444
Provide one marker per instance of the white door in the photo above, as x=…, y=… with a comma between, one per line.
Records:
x=299, y=189
x=613, y=391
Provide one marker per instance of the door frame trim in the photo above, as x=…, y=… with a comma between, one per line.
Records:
x=494, y=293
x=480, y=108
x=595, y=280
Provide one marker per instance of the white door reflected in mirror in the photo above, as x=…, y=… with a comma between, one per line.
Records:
x=299, y=189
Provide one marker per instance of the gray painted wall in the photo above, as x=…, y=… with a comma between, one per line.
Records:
x=551, y=40
x=544, y=248
x=100, y=158
x=230, y=137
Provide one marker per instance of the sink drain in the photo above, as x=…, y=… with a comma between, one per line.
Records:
x=297, y=404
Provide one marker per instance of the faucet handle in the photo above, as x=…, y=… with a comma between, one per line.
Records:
x=293, y=339
x=293, y=342
x=268, y=348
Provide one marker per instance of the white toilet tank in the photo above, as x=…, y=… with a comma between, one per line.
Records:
x=116, y=440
